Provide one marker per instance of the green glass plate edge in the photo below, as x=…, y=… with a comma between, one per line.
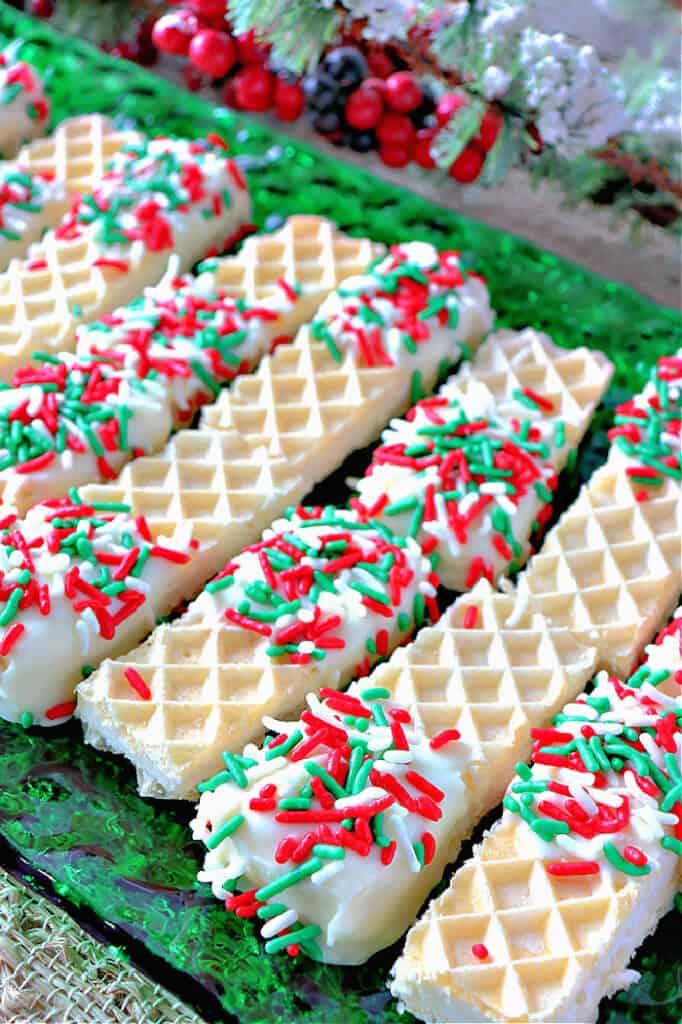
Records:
x=73, y=813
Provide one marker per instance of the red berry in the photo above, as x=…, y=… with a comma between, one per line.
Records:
x=379, y=62
x=377, y=85
x=289, y=99
x=396, y=130
x=364, y=107
x=124, y=51
x=422, y=148
x=449, y=104
x=252, y=50
x=490, y=128
x=210, y=9
x=213, y=52
x=173, y=32
x=229, y=93
x=193, y=79
x=42, y=8
x=394, y=156
x=468, y=165
x=402, y=92
x=253, y=88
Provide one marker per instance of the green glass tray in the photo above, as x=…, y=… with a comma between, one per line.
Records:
x=71, y=822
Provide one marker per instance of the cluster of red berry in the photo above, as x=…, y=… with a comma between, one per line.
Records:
x=360, y=95
x=198, y=31
x=385, y=106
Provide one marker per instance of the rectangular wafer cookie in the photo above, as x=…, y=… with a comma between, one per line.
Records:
x=541, y=922
x=37, y=187
x=160, y=199
x=146, y=368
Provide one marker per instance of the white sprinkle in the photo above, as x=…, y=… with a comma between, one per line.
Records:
x=360, y=799
x=520, y=608
x=306, y=647
x=278, y=924
x=83, y=637
x=602, y=796
x=506, y=504
x=467, y=502
x=327, y=872
x=398, y=756
x=493, y=487
x=652, y=748
x=404, y=841
x=90, y=621
x=647, y=690
x=582, y=797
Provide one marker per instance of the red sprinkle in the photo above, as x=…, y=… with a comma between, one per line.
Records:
x=138, y=684
x=11, y=637
x=429, y=844
x=633, y=855
x=388, y=853
x=480, y=951
x=446, y=736
x=470, y=617
x=64, y=710
x=246, y=623
x=569, y=868
x=540, y=400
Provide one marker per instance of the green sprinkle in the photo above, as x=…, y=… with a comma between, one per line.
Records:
x=301, y=935
x=278, y=885
x=328, y=852
x=375, y=693
x=235, y=769
x=226, y=830
x=284, y=747
x=26, y=720
x=330, y=784
x=615, y=858
x=270, y=910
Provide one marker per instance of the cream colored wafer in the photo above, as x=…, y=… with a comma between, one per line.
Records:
x=540, y=924
x=163, y=205
x=468, y=691
x=473, y=469
x=150, y=365
x=611, y=567
x=483, y=678
x=46, y=175
x=24, y=109
x=300, y=414
x=220, y=661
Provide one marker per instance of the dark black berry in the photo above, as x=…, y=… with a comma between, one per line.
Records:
x=347, y=67
x=329, y=122
x=425, y=111
x=361, y=142
x=321, y=91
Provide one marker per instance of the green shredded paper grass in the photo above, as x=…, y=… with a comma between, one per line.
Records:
x=73, y=814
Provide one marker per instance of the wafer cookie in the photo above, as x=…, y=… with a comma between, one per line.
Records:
x=78, y=581
x=37, y=187
x=299, y=415
x=163, y=203
x=473, y=469
x=611, y=567
x=24, y=109
x=440, y=721
x=146, y=368
x=540, y=924
x=310, y=606
x=482, y=678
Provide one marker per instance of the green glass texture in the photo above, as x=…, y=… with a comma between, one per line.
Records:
x=73, y=814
